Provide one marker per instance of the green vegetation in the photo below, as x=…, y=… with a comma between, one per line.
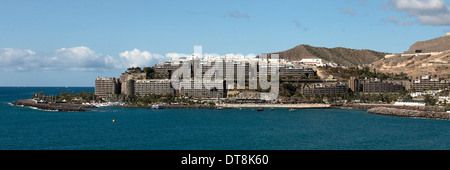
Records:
x=150, y=72
x=73, y=97
x=136, y=100
x=430, y=100
x=288, y=89
x=291, y=93
x=315, y=53
x=363, y=73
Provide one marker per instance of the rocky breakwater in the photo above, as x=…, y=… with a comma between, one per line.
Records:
x=370, y=106
x=63, y=107
x=409, y=113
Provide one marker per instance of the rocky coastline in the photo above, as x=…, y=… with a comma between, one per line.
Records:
x=63, y=107
x=381, y=109
x=409, y=113
x=367, y=106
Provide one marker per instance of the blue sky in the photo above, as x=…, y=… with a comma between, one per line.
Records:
x=69, y=43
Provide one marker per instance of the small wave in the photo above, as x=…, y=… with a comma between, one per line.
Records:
x=46, y=110
x=35, y=108
x=15, y=105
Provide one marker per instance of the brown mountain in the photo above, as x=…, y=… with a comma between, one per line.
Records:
x=434, y=45
x=416, y=65
x=431, y=57
x=343, y=56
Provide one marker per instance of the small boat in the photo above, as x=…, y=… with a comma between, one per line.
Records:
x=260, y=109
x=292, y=109
x=272, y=108
x=157, y=106
x=219, y=108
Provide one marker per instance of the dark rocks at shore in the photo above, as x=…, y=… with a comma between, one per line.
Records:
x=370, y=106
x=409, y=113
x=63, y=107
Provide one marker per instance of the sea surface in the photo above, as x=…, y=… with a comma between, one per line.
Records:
x=24, y=128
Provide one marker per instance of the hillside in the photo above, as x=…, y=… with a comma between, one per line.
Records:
x=342, y=56
x=434, y=45
x=416, y=66
x=432, y=58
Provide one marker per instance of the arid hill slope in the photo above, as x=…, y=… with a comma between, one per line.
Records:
x=342, y=56
x=431, y=57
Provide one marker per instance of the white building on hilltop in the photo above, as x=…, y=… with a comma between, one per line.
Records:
x=312, y=61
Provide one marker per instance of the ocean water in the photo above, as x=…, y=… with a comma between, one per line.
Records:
x=194, y=129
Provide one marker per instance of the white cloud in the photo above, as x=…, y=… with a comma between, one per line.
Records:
x=427, y=12
x=12, y=57
x=419, y=5
x=84, y=59
x=137, y=58
x=76, y=58
x=175, y=56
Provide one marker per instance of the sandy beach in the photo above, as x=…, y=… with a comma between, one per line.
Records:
x=297, y=106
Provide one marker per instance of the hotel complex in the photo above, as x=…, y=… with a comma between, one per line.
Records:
x=223, y=77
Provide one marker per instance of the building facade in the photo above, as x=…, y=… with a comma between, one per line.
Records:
x=379, y=87
x=153, y=87
x=325, y=89
x=106, y=88
x=354, y=85
x=373, y=86
x=207, y=90
x=429, y=83
x=297, y=72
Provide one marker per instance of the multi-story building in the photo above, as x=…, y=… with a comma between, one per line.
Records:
x=166, y=69
x=378, y=86
x=233, y=70
x=325, y=89
x=296, y=72
x=373, y=86
x=127, y=80
x=106, y=88
x=207, y=90
x=354, y=85
x=153, y=87
x=429, y=83
x=404, y=83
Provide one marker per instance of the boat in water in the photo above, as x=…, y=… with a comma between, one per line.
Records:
x=219, y=108
x=260, y=109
